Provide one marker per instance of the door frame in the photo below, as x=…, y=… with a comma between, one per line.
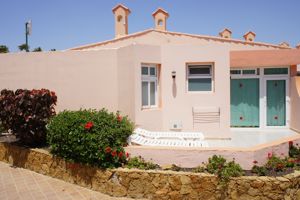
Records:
x=259, y=73
x=264, y=101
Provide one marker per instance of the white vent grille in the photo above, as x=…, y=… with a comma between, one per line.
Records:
x=203, y=115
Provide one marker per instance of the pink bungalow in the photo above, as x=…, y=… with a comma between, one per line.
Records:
x=170, y=81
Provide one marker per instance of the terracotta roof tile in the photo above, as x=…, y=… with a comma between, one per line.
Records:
x=213, y=38
x=160, y=10
x=122, y=6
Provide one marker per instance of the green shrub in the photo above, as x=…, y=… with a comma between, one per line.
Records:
x=290, y=162
x=140, y=163
x=199, y=169
x=26, y=113
x=224, y=170
x=231, y=169
x=275, y=163
x=215, y=163
x=294, y=150
x=259, y=170
x=90, y=136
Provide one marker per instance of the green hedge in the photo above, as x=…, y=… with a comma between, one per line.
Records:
x=90, y=136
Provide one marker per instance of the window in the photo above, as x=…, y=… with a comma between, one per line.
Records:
x=149, y=86
x=249, y=72
x=275, y=71
x=244, y=72
x=235, y=71
x=120, y=18
x=199, y=78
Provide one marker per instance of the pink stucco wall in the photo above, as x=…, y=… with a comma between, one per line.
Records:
x=295, y=103
x=80, y=79
x=176, y=107
x=179, y=106
x=193, y=157
x=111, y=78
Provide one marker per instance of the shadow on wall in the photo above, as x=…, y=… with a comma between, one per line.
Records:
x=298, y=84
x=174, y=89
x=15, y=155
x=45, y=163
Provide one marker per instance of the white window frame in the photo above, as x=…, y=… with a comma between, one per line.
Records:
x=202, y=76
x=150, y=78
x=242, y=72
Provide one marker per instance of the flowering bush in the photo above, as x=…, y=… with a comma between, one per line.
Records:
x=275, y=164
x=224, y=170
x=90, y=136
x=294, y=150
x=26, y=113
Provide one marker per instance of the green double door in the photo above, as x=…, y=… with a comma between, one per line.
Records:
x=276, y=103
x=245, y=110
x=244, y=97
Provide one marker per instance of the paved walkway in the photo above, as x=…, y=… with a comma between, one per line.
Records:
x=22, y=184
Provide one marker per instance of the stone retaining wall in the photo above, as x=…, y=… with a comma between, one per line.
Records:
x=152, y=184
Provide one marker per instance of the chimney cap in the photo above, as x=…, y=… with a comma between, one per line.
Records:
x=225, y=30
x=160, y=10
x=248, y=33
x=225, y=33
x=284, y=44
x=121, y=6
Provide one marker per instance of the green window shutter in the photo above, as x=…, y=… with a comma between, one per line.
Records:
x=244, y=102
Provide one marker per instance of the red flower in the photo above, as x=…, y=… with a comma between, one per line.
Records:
x=119, y=118
x=279, y=166
x=127, y=154
x=114, y=153
x=121, y=154
x=290, y=143
x=255, y=162
x=88, y=125
x=107, y=150
x=269, y=155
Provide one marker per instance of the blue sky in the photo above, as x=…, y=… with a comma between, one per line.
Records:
x=63, y=24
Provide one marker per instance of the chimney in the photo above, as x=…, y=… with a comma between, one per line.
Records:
x=160, y=19
x=121, y=20
x=226, y=33
x=298, y=46
x=284, y=44
x=249, y=36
